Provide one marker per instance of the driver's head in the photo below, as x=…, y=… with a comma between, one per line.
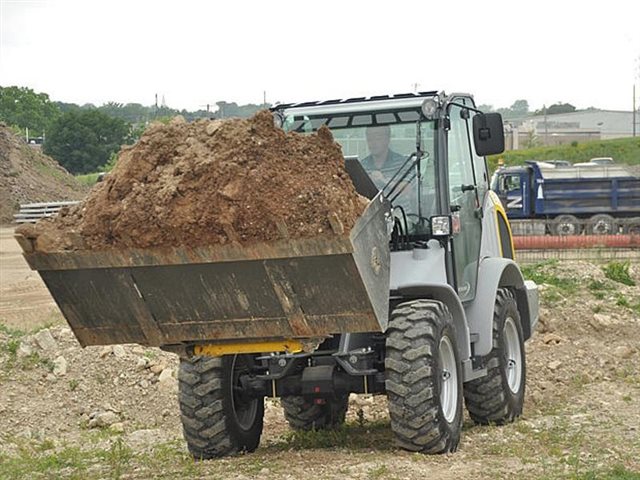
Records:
x=378, y=139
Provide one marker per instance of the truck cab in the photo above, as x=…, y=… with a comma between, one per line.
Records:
x=512, y=185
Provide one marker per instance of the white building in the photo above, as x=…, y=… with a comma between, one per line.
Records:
x=582, y=125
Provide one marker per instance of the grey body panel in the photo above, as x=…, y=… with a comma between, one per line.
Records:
x=420, y=273
x=497, y=273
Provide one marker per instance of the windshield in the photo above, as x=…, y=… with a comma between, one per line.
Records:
x=383, y=143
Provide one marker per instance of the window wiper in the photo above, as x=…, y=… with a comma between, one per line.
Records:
x=390, y=189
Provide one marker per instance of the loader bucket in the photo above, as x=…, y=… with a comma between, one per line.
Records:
x=284, y=289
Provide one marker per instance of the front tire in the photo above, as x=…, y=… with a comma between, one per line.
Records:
x=218, y=418
x=498, y=397
x=424, y=377
x=305, y=415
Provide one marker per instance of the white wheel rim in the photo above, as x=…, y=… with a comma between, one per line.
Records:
x=513, y=355
x=448, y=380
x=567, y=228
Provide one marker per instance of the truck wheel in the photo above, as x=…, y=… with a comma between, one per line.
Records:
x=217, y=418
x=498, y=396
x=631, y=226
x=305, y=415
x=566, y=225
x=424, y=377
x=602, y=225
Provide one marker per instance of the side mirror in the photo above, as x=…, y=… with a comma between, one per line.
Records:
x=488, y=134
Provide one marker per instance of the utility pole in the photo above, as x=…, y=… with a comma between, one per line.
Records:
x=546, y=130
x=634, y=110
x=264, y=98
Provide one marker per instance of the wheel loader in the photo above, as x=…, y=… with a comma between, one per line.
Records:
x=422, y=300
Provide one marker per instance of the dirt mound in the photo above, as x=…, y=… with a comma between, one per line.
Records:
x=212, y=182
x=27, y=175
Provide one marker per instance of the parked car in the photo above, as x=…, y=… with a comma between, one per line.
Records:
x=602, y=161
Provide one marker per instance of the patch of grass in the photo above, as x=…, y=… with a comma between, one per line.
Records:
x=29, y=463
x=50, y=171
x=118, y=457
x=596, y=308
x=73, y=384
x=628, y=375
x=544, y=273
x=598, y=286
x=623, y=150
x=622, y=301
x=46, y=363
x=46, y=445
x=619, y=472
x=89, y=179
x=378, y=471
x=374, y=435
x=150, y=354
x=619, y=272
x=12, y=348
x=580, y=380
x=11, y=332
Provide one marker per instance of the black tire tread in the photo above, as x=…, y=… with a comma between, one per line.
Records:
x=487, y=398
x=412, y=337
x=306, y=416
x=202, y=409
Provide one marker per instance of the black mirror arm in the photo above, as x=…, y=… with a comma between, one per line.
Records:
x=467, y=107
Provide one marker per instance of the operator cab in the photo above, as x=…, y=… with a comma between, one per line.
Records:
x=397, y=143
x=425, y=153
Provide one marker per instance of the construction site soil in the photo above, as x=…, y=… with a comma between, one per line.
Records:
x=211, y=182
x=29, y=176
x=112, y=412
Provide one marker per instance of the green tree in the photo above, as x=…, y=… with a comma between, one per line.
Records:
x=24, y=108
x=520, y=108
x=486, y=108
x=229, y=110
x=83, y=141
x=557, y=108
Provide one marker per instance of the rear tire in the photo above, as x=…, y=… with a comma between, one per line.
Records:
x=566, y=225
x=631, y=226
x=424, y=377
x=305, y=415
x=217, y=420
x=602, y=225
x=498, y=397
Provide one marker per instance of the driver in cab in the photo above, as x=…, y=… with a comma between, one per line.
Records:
x=382, y=162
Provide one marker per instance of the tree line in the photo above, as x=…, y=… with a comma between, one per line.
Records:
x=84, y=138
x=520, y=109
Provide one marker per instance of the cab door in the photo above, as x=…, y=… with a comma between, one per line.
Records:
x=465, y=187
x=513, y=187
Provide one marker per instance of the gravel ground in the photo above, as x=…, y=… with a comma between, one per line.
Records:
x=111, y=412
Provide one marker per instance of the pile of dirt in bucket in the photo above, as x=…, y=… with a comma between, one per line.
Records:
x=29, y=176
x=211, y=182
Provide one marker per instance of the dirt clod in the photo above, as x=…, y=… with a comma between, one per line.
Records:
x=211, y=182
